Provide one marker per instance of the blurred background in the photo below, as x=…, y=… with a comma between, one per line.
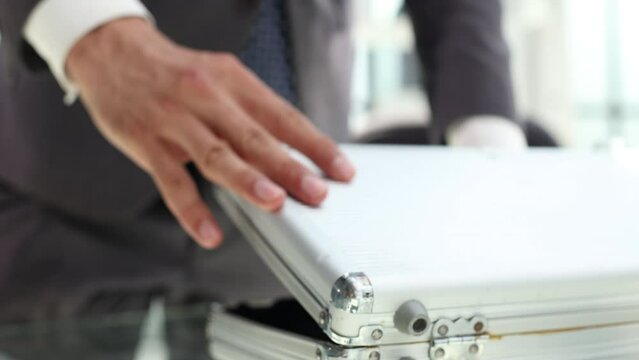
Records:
x=573, y=63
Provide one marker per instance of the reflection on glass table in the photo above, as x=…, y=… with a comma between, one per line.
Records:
x=159, y=334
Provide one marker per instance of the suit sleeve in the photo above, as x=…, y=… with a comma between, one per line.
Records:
x=13, y=16
x=465, y=60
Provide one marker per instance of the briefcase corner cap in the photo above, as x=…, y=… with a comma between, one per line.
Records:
x=353, y=293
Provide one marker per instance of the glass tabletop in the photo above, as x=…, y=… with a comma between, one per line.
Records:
x=161, y=333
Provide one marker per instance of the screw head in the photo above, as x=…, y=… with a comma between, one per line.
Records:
x=377, y=334
x=443, y=330
x=479, y=327
x=322, y=318
x=473, y=349
x=440, y=353
x=375, y=356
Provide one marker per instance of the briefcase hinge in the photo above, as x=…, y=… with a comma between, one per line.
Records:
x=458, y=348
x=459, y=339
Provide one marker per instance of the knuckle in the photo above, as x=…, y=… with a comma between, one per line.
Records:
x=173, y=181
x=255, y=138
x=131, y=128
x=190, y=74
x=228, y=60
x=167, y=115
x=294, y=118
x=167, y=106
x=292, y=115
x=215, y=154
x=278, y=124
x=195, y=80
x=290, y=119
x=228, y=69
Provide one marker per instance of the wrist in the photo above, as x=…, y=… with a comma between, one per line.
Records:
x=105, y=42
x=53, y=27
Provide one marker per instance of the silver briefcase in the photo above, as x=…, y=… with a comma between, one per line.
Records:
x=458, y=254
x=240, y=337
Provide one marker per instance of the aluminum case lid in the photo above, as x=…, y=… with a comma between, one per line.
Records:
x=464, y=227
x=467, y=232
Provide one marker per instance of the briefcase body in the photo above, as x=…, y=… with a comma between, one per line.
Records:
x=245, y=337
x=462, y=250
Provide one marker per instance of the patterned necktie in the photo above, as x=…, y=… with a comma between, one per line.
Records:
x=268, y=52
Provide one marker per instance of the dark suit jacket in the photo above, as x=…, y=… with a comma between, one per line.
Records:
x=51, y=155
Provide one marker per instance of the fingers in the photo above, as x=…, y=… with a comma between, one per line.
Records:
x=219, y=163
x=274, y=114
x=265, y=153
x=256, y=146
x=290, y=126
x=181, y=194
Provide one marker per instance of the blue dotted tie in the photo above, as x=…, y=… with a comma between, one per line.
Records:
x=268, y=52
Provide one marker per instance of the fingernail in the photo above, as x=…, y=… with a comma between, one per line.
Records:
x=343, y=168
x=314, y=186
x=209, y=233
x=266, y=191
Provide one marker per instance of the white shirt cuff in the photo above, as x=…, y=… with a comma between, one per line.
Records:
x=487, y=131
x=54, y=26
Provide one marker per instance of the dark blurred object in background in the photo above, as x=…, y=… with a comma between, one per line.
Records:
x=536, y=135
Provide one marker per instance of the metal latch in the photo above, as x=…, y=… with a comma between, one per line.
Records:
x=461, y=339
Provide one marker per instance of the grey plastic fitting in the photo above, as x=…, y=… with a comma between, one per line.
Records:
x=412, y=318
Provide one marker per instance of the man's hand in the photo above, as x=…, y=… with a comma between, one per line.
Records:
x=164, y=105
